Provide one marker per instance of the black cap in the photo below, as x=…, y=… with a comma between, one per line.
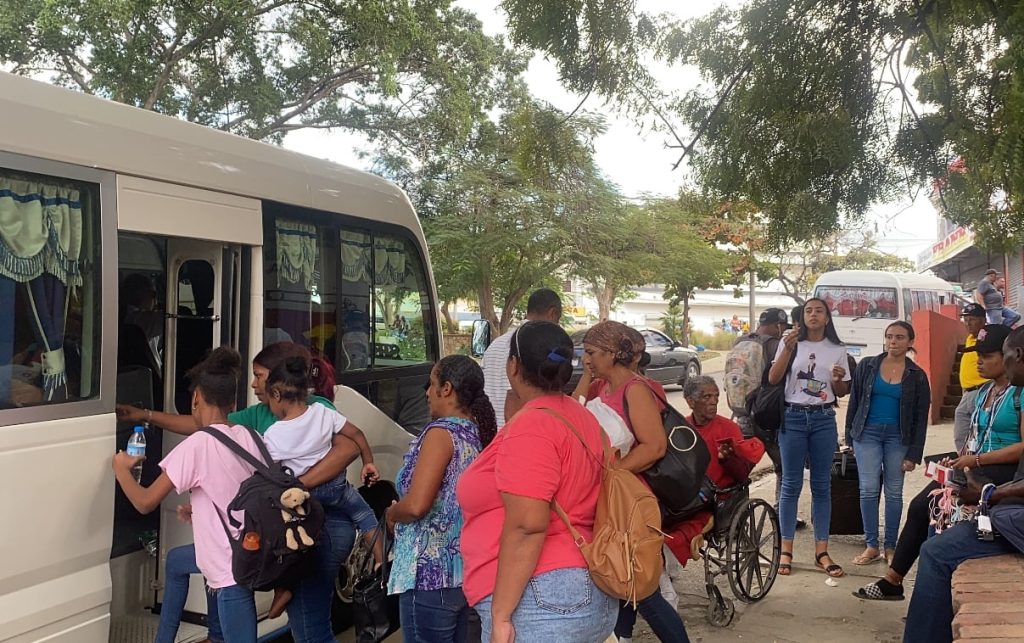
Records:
x=973, y=310
x=990, y=339
x=773, y=316
x=991, y=271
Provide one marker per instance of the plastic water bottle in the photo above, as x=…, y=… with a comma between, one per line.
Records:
x=137, y=447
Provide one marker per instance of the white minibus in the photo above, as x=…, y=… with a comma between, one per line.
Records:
x=106, y=209
x=865, y=302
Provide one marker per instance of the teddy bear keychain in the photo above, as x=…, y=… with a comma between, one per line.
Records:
x=293, y=498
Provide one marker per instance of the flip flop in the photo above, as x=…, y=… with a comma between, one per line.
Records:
x=880, y=590
x=833, y=570
x=862, y=559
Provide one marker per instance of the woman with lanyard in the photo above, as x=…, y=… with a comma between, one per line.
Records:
x=993, y=450
x=813, y=365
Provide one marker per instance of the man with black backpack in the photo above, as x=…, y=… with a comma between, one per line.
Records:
x=745, y=365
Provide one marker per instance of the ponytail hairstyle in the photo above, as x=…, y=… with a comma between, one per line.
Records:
x=545, y=354
x=321, y=371
x=290, y=379
x=830, y=327
x=217, y=377
x=467, y=380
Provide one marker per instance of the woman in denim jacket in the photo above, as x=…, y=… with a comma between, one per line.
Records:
x=886, y=424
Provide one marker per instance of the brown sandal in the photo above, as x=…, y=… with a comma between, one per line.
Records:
x=785, y=569
x=833, y=570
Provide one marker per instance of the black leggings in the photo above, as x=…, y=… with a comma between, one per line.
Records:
x=915, y=530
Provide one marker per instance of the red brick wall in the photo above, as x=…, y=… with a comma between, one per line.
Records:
x=937, y=339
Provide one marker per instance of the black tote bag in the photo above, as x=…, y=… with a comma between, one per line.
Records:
x=679, y=476
x=372, y=612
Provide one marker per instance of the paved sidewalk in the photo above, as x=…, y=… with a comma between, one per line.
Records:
x=801, y=607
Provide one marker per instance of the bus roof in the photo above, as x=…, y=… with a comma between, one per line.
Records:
x=881, y=279
x=50, y=122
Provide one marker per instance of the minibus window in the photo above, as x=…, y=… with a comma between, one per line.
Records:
x=859, y=301
x=49, y=289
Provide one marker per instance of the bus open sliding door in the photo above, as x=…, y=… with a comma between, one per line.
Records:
x=195, y=306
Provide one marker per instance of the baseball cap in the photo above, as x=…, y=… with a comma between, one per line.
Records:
x=973, y=310
x=990, y=339
x=991, y=271
x=773, y=316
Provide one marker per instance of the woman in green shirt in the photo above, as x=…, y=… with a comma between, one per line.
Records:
x=259, y=418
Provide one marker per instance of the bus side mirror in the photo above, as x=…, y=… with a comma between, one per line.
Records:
x=481, y=337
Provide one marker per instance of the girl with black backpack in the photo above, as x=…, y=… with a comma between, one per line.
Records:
x=212, y=473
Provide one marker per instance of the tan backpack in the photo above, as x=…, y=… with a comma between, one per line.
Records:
x=624, y=557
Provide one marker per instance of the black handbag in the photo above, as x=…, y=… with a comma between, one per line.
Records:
x=767, y=405
x=678, y=478
x=373, y=618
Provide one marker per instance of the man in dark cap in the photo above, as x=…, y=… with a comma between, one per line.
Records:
x=973, y=316
x=772, y=323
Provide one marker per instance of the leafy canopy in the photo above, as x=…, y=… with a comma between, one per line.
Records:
x=261, y=68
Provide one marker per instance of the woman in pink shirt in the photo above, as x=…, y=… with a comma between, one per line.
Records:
x=522, y=571
x=212, y=473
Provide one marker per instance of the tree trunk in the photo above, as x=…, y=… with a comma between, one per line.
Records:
x=685, y=331
x=449, y=323
x=486, y=299
x=605, y=298
x=511, y=302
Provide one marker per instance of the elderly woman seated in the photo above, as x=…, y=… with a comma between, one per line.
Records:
x=733, y=457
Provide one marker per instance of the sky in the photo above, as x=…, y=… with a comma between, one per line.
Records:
x=637, y=161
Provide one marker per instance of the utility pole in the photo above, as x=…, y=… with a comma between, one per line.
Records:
x=753, y=287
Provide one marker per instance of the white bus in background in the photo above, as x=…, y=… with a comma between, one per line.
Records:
x=238, y=243
x=865, y=302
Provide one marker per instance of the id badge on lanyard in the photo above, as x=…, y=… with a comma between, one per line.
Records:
x=972, y=445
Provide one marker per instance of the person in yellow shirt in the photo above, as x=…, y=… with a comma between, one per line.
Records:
x=970, y=381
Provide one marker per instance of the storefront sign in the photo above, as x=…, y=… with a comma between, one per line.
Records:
x=953, y=244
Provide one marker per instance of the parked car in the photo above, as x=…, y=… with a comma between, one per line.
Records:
x=671, y=362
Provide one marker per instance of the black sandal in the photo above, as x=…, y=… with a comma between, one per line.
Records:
x=880, y=590
x=785, y=569
x=833, y=570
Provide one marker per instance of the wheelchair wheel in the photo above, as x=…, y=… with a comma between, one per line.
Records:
x=753, y=550
x=720, y=609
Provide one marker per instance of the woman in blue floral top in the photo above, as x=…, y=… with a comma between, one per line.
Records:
x=427, y=521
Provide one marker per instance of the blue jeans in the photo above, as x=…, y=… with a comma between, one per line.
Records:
x=181, y=563
x=434, y=615
x=663, y=619
x=807, y=436
x=930, y=616
x=1005, y=316
x=880, y=452
x=237, y=608
x=560, y=605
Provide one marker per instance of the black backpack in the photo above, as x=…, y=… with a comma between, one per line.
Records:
x=286, y=535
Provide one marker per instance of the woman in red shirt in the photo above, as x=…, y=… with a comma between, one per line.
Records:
x=511, y=538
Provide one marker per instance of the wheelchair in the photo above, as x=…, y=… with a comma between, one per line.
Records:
x=744, y=544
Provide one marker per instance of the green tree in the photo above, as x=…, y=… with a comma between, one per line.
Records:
x=616, y=250
x=409, y=74
x=814, y=111
x=672, y=322
x=799, y=268
x=506, y=220
x=689, y=260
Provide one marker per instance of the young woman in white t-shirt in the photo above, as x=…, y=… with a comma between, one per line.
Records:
x=813, y=364
x=300, y=438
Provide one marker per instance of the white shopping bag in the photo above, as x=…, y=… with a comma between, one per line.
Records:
x=613, y=424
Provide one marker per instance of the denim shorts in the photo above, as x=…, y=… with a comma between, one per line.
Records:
x=339, y=497
x=560, y=605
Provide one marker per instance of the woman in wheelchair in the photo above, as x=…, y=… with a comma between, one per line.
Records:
x=733, y=457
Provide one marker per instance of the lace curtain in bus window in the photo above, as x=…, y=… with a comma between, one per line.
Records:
x=40, y=246
x=296, y=252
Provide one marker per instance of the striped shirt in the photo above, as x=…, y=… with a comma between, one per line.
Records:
x=496, y=384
